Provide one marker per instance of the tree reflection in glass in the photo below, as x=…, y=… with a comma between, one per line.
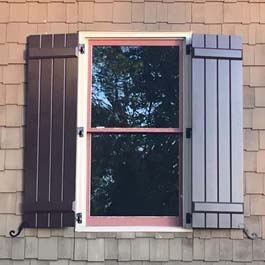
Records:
x=134, y=174
x=135, y=86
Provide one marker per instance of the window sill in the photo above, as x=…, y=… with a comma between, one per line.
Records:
x=80, y=228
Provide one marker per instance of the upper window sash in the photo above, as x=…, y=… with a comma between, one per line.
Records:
x=173, y=128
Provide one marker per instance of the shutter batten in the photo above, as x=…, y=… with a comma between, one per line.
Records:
x=217, y=132
x=42, y=53
x=217, y=53
x=50, y=131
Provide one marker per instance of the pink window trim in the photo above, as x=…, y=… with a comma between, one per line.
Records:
x=133, y=220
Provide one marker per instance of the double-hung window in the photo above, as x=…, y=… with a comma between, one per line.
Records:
x=134, y=132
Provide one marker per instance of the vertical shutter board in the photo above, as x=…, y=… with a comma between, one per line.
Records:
x=235, y=42
x=224, y=130
x=199, y=220
x=31, y=132
x=211, y=220
x=210, y=41
x=236, y=131
x=71, y=40
x=237, y=220
x=221, y=134
x=46, y=78
x=198, y=126
x=57, y=130
x=70, y=129
x=198, y=40
x=223, y=42
x=224, y=220
x=211, y=130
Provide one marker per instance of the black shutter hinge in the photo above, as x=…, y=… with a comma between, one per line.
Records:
x=188, y=133
x=78, y=218
x=80, y=131
x=188, y=218
x=81, y=48
x=188, y=49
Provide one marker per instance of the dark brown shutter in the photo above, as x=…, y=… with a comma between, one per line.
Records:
x=217, y=131
x=50, y=151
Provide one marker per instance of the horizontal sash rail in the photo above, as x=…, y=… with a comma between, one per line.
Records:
x=134, y=130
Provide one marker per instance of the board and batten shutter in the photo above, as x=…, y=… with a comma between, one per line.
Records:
x=217, y=128
x=50, y=150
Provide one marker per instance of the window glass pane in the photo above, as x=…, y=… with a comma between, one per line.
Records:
x=135, y=175
x=135, y=86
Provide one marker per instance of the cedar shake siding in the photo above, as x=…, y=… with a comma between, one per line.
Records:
x=63, y=246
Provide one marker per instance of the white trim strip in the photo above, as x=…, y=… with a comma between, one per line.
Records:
x=81, y=147
x=94, y=35
x=80, y=228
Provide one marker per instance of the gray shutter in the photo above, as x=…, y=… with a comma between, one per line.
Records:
x=217, y=129
x=49, y=175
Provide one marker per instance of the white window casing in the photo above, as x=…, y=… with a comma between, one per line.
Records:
x=81, y=147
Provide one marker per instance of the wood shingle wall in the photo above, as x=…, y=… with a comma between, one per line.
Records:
x=18, y=19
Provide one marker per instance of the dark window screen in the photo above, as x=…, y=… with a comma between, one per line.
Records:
x=134, y=175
